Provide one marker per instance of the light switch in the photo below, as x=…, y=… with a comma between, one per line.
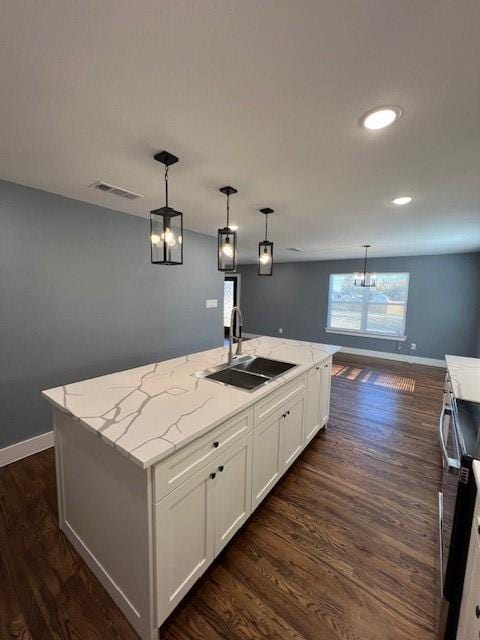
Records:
x=211, y=304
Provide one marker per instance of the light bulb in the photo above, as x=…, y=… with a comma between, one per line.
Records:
x=155, y=238
x=227, y=249
x=265, y=257
x=169, y=237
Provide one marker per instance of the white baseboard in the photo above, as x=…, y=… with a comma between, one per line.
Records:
x=26, y=448
x=402, y=357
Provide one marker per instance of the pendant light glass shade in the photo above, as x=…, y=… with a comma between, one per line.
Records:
x=265, y=250
x=227, y=239
x=166, y=225
x=365, y=279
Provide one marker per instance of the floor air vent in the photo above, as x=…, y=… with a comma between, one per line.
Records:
x=116, y=191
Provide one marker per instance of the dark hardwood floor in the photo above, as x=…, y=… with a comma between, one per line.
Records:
x=343, y=548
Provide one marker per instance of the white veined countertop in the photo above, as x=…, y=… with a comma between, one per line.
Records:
x=149, y=412
x=465, y=377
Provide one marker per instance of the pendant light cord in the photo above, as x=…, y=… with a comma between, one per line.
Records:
x=266, y=227
x=228, y=211
x=365, y=264
x=166, y=185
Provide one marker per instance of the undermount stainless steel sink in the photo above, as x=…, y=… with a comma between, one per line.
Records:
x=246, y=372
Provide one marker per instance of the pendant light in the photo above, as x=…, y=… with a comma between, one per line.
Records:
x=265, y=249
x=365, y=279
x=227, y=239
x=166, y=224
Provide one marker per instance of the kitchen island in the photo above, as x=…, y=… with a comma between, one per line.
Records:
x=157, y=469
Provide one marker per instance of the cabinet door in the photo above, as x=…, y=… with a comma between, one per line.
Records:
x=469, y=623
x=292, y=432
x=312, y=407
x=325, y=391
x=267, y=467
x=233, y=491
x=184, y=538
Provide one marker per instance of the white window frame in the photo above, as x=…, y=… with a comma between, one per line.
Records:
x=363, y=333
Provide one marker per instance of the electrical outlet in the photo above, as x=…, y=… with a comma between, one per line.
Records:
x=413, y=346
x=280, y=331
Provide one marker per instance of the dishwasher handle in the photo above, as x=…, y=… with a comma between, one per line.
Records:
x=441, y=434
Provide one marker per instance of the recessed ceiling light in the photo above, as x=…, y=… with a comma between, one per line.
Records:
x=402, y=200
x=234, y=227
x=380, y=117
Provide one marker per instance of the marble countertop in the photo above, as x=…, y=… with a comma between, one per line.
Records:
x=149, y=412
x=465, y=377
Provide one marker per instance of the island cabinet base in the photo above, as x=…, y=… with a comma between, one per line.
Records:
x=149, y=534
x=105, y=510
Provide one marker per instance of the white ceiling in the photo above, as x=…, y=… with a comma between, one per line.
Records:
x=264, y=95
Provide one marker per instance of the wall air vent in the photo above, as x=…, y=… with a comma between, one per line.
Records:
x=295, y=249
x=116, y=191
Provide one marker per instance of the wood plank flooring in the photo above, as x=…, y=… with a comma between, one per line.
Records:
x=343, y=548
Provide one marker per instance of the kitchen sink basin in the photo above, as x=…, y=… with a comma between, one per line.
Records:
x=237, y=378
x=265, y=367
x=246, y=372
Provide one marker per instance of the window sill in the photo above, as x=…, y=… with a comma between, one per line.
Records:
x=361, y=334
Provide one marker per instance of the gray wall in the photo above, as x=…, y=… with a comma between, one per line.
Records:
x=443, y=314
x=79, y=298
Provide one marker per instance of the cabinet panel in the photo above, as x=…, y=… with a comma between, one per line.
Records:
x=233, y=491
x=312, y=407
x=267, y=466
x=184, y=539
x=325, y=391
x=292, y=432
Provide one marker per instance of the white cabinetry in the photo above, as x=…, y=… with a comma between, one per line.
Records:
x=267, y=465
x=195, y=521
x=277, y=441
x=233, y=491
x=318, y=398
x=149, y=534
x=325, y=391
x=469, y=623
x=184, y=525
x=292, y=431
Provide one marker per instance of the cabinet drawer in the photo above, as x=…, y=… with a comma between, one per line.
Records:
x=275, y=401
x=175, y=469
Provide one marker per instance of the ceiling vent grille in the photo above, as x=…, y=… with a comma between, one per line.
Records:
x=116, y=191
x=295, y=249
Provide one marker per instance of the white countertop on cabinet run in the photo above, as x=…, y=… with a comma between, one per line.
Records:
x=465, y=377
x=149, y=412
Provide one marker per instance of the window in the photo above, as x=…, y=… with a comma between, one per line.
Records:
x=369, y=311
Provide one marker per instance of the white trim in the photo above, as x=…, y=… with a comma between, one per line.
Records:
x=362, y=334
x=26, y=448
x=402, y=357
